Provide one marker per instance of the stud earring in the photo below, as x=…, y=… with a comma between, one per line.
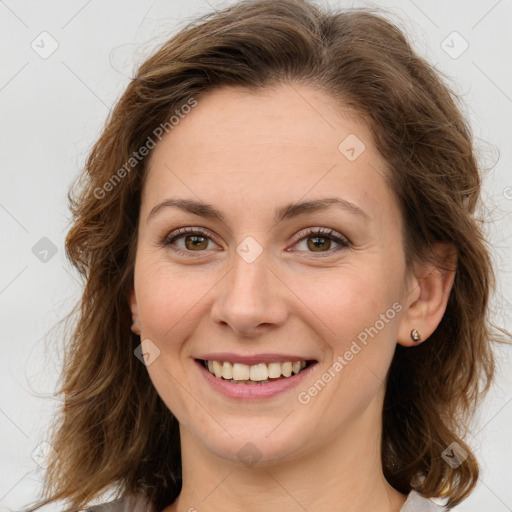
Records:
x=415, y=336
x=136, y=328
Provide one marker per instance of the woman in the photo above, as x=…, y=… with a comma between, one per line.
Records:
x=286, y=298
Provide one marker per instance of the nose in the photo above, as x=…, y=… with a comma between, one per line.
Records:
x=251, y=298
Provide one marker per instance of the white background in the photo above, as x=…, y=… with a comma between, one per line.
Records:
x=52, y=111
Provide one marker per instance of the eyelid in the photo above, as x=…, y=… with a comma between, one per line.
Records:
x=321, y=232
x=314, y=230
x=190, y=231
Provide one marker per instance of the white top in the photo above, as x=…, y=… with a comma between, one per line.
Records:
x=417, y=503
x=414, y=503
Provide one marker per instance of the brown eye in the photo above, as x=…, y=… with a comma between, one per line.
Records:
x=321, y=241
x=194, y=240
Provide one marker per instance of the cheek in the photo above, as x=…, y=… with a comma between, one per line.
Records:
x=346, y=300
x=169, y=299
x=360, y=307
x=340, y=303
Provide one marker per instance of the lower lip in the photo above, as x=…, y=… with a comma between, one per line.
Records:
x=253, y=391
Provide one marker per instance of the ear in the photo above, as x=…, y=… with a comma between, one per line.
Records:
x=428, y=292
x=135, y=313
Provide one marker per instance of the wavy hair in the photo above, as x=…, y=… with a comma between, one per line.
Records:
x=113, y=431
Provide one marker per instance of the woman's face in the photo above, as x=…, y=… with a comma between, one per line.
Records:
x=258, y=283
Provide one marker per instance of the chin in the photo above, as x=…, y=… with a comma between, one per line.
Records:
x=258, y=443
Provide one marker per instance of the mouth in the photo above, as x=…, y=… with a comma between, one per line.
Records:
x=257, y=374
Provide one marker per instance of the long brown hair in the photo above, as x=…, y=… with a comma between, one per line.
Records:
x=114, y=431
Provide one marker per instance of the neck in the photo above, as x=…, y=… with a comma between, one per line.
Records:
x=342, y=474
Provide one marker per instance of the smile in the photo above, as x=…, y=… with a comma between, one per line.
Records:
x=261, y=373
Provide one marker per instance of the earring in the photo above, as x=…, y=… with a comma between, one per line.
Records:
x=415, y=336
x=136, y=328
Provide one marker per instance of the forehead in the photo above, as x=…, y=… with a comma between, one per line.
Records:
x=284, y=142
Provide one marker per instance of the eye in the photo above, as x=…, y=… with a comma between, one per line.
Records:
x=320, y=240
x=194, y=240
x=317, y=240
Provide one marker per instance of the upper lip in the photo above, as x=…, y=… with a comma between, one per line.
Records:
x=252, y=359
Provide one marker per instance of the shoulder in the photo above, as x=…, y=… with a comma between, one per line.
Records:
x=417, y=503
x=414, y=503
x=124, y=504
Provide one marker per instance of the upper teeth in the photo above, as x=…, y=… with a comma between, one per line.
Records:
x=256, y=372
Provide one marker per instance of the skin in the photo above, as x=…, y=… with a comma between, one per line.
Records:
x=246, y=154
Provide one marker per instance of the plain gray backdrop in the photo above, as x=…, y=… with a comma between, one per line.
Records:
x=63, y=66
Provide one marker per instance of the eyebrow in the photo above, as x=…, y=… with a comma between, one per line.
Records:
x=288, y=211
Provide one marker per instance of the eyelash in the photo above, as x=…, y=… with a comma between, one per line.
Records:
x=327, y=233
